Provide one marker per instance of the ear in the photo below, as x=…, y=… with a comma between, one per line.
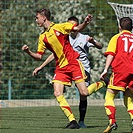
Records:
x=44, y=18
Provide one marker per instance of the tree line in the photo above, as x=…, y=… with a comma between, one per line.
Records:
x=18, y=27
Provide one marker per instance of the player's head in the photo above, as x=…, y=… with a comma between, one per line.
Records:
x=126, y=23
x=73, y=20
x=44, y=12
x=42, y=15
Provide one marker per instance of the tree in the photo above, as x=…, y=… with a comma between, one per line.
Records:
x=18, y=27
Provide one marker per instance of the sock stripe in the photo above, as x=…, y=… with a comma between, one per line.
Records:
x=68, y=108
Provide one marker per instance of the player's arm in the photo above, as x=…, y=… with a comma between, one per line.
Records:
x=95, y=43
x=36, y=56
x=40, y=51
x=81, y=26
x=109, y=60
x=110, y=54
x=48, y=60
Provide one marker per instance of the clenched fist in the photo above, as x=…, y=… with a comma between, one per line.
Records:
x=25, y=48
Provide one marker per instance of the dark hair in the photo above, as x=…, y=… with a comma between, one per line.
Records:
x=126, y=23
x=73, y=18
x=45, y=12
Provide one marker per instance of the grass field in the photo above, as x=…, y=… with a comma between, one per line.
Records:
x=52, y=120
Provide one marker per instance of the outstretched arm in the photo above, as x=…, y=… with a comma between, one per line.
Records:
x=36, y=56
x=95, y=43
x=107, y=65
x=81, y=26
x=49, y=59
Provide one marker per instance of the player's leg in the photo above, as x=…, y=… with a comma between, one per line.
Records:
x=83, y=103
x=60, y=79
x=85, y=91
x=82, y=111
x=58, y=93
x=110, y=110
x=78, y=71
x=128, y=102
x=128, y=98
x=97, y=86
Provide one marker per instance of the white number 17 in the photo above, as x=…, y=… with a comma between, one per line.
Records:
x=126, y=42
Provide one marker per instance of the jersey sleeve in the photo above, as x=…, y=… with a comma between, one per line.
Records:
x=68, y=27
x=111, y=49
x=41, y=45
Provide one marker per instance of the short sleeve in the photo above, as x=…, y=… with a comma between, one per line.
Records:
x=41, y=45
x=68, y=27
x=111, y=49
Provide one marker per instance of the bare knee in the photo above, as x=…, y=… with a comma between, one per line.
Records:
x=82, y=88
x=58, y=89
x=84, y=93
x=56, y=93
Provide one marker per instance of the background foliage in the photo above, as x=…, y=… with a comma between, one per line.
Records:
x=18, y=27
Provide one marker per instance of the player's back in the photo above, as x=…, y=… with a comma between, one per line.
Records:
x=124, y=53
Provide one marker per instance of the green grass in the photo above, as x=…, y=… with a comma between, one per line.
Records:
x=52, y=120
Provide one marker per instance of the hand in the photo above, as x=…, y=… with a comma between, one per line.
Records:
x=103, y=74
x=88, y=19
x=25, y=48
x=91, y=40
x=35, y=72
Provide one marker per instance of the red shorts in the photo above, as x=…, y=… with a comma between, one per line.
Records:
x=72, y=72
x=121, y=81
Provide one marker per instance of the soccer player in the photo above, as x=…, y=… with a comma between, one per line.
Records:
x=81, y=43
x=120, y=57
x=68, y=68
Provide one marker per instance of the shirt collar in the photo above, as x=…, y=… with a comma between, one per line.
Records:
x=52, y=23
x=126, y=31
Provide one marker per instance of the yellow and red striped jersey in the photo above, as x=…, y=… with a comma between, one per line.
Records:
x=121, y=47
x=56, y=39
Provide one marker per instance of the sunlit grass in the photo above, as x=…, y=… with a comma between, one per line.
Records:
x=52, y=120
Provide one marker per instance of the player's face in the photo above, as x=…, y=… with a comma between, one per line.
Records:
x=40, y=20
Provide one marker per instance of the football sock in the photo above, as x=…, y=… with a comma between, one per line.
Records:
x=110, y=107
x=95, y=87
x=128, y=101
x=65, y=107
x=82, y=109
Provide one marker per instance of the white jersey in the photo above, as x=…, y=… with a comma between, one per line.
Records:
x=81, y=45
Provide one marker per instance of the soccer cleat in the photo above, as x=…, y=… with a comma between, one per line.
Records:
x=82, y=125
x=110, y=127
x=73, y=125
